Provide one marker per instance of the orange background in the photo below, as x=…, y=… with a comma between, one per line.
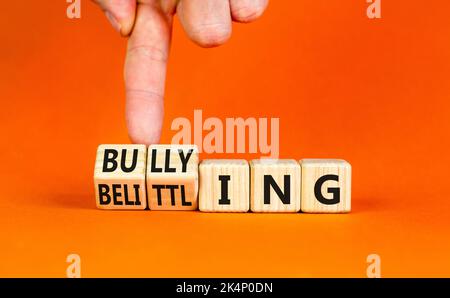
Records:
x=374, y=92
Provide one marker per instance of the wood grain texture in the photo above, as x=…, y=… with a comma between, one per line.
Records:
x=281, y=171
x=120, y=180
x=172, y=177
x=224, y=185
x=320, y=191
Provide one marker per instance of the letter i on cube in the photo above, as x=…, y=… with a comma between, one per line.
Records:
x=224, y=185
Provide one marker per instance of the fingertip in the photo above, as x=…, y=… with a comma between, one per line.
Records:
x=137, y=138
x=209, y=36
x=123, y=26
x=120, y=13
x=245, y=11
x=126, y=28
x=144, y=119
x=207, y=23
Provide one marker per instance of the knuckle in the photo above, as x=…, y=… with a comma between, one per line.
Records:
x=148, y=52
x=144, y=95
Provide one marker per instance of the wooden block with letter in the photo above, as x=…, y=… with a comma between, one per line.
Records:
x=326, y=186
x=224, y=185
x=119, y=177
x=172, y=177
x=275, y=185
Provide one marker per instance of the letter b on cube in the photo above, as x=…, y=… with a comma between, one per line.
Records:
x=119, y=177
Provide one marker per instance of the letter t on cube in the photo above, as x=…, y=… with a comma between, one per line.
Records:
x=172, y=177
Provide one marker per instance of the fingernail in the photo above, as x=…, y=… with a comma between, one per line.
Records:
x=113, y=21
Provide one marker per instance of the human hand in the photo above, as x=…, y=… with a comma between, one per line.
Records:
x=148, y=23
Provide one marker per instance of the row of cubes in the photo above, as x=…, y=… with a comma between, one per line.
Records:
x=170, y=177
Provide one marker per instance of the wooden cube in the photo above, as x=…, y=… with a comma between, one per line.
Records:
x=224, y=185
x=172, y=177
x=119, y=177
x=275, y=185
x=326, y=186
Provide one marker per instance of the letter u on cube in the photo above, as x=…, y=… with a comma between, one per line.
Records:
x=170, y=177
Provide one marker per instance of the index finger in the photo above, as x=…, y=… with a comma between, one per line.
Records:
x=145, y=72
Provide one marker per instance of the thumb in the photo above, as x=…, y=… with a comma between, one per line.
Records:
x=120, y=13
